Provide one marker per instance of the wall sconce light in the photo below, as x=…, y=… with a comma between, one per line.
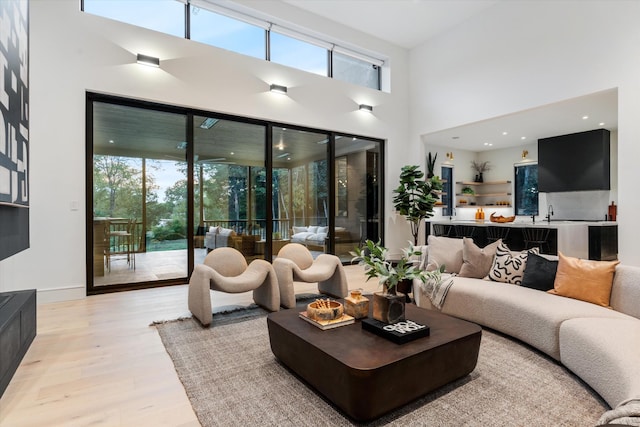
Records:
x=365, y=107
x=148, y=60
x=525, y=153
x=449, y=156
x=278, y=89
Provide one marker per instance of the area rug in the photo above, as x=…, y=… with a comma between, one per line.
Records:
x=232, y=379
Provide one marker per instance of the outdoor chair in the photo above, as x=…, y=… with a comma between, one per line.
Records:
x=295, y=263
x=226, y=270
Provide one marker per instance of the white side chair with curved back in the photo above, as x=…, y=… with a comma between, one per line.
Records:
x=295, y=263
x=226, y=270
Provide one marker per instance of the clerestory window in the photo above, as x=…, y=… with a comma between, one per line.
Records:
x=228, y=29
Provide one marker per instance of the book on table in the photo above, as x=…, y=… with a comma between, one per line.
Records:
x=328, y=324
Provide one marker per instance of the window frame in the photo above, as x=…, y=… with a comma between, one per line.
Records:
x=518, y=192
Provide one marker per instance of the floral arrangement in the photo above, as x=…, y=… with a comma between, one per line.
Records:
x=480, y=167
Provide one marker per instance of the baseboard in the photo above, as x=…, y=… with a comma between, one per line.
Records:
x=66, y=293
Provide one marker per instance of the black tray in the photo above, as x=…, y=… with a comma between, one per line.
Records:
x=397, y=337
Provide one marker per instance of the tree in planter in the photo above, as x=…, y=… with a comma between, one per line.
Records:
x=416, y=197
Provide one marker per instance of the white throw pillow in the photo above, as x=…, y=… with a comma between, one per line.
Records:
x=444, y=250
x=509, y=267
x=214, y=230
x=226, y=232
x=324, y=230
x=312, y=229
x=297, y=230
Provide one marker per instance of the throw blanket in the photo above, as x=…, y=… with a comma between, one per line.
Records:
x=437, y=290
x=627, y=413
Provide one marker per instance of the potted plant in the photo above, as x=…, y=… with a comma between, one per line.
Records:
x=388, y=307
x=480, y=168
x=468, y=190
x=415, y=197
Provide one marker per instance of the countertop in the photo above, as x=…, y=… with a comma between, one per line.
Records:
x=526, y=223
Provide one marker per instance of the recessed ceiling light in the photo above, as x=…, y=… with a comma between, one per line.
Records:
x=111, y=141
x=505, y=133
x=523, y=137
x=601, y=123
x=585, y=117
x=232, y=153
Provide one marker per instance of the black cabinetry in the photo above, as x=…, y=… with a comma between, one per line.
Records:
x=17, y=331
x=603, y=242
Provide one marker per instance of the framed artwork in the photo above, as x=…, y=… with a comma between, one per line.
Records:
x=14, y=126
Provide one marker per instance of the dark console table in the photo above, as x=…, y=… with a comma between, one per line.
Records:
x=17, y=331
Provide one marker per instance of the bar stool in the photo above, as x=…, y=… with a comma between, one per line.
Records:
x=120, y=235
x=536, y=237
x=442, y=230
x=495, y=233
x=465, y=231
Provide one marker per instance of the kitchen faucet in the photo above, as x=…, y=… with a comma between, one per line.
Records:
x=549, y=212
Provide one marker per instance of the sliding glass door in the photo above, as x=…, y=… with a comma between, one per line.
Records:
x=167, y=185
x=300, y=189
x=229, y=187
x=357, y=193
x=139, y=212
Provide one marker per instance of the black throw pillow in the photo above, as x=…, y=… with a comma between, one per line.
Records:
x=540, y=273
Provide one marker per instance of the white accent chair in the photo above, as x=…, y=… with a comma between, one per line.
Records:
x=295, y=263
x=226, y=270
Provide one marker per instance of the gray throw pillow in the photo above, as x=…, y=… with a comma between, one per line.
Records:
x=444, y=251
x=476, y=261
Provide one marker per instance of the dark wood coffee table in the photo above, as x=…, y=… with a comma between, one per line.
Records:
x=366, y=375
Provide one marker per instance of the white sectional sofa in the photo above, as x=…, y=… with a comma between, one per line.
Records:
x=599, y=344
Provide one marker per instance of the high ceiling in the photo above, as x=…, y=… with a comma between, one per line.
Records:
x=405, y=23
x=410, y=23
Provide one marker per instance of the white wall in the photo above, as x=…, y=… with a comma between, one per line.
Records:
x=520, y=55
x=73, y=52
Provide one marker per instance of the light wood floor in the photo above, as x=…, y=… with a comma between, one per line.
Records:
x=97, y=362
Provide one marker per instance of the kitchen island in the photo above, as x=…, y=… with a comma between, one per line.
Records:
x=596, y=240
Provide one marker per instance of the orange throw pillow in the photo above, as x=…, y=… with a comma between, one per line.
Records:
x=585, y=280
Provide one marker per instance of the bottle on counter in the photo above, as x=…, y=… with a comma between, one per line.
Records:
x=613, y=212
